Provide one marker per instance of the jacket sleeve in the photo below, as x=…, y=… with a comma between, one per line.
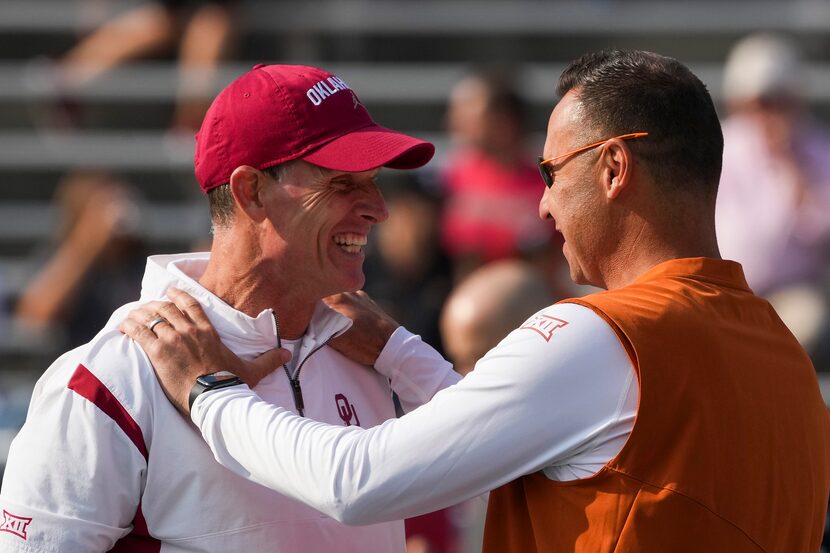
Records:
x=416, y=371
x=74, y=475
x=532, y=402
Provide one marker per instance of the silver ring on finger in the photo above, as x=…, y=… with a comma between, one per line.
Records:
x=152, y=324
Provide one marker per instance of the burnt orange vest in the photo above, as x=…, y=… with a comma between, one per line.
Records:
x=730, y=451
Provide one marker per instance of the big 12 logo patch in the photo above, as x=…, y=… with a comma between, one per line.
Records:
x=14, y=524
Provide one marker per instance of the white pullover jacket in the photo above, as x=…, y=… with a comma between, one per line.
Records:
x=105, y=462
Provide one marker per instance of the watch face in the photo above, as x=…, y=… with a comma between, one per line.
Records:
x=216, y=378
x=207, y=382
x=223, y=375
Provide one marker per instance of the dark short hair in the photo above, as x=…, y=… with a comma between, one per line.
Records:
x=220, y=199
x=635, y=91
x=502, y=95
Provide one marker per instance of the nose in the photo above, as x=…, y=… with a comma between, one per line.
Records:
x=544, y=212
x=373, y=206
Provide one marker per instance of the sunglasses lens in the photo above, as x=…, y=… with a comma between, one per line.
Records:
x=543, y=170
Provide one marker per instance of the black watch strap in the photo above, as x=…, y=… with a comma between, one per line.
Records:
x=208, y=382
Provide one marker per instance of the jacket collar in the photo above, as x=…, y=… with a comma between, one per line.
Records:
x=244, y=335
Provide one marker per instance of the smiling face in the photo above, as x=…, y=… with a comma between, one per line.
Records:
x=321, y=219
x=575, y=201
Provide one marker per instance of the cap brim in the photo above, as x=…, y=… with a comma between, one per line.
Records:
x=371, y=147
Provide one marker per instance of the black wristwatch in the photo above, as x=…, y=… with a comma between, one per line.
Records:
x=215, y=381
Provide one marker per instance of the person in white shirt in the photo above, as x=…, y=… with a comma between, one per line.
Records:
x=288, y=157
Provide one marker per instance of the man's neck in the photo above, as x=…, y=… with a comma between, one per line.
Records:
x=650, y=246
x=251, y=290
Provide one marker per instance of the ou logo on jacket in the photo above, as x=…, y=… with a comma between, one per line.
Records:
x=346, y=410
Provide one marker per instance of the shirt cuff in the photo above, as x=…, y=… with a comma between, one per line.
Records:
x=392, y=354
x=202, y=403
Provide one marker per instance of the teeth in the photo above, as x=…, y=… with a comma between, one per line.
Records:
x=350, y=239
x=350, y=242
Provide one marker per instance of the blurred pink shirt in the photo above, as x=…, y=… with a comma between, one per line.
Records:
x=491, y=210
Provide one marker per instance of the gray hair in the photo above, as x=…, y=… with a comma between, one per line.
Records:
x=221, y=202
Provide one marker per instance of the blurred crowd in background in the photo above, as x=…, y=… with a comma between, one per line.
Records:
x=464, y=257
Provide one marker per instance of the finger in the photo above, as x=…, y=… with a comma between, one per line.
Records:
x=254, y=371
x=364, y=297
x=284, y=356
x=138, y=331
x=145, y=313
x=154, y=315
x=333, y=300
x=189, y=306
x=173, y=315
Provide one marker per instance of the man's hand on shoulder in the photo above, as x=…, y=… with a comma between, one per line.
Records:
x=183, y=345
x=370, y=330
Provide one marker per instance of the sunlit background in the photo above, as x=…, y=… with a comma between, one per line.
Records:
x=99, y=100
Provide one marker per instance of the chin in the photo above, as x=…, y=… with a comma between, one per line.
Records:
x=577, y=275
x=578, y=278
x=352, y=284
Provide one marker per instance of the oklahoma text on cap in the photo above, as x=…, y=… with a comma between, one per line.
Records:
x=276, y=113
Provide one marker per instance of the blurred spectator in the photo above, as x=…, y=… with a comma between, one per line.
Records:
x=774, y=198
x=486, y=306
x=15, y=391
x=95, y=265
x=6, y=298
x=409, y=274
x=492, y=183
x=481, y=310
x=431, y=533
x=202, y=30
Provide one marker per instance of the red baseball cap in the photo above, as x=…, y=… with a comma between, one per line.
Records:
x=276, y=113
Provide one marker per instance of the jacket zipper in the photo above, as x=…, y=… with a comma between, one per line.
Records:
x=298, y=393
x=296, y=388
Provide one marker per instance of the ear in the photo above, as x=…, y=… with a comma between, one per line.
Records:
x=246, y=185
x=617, y=164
